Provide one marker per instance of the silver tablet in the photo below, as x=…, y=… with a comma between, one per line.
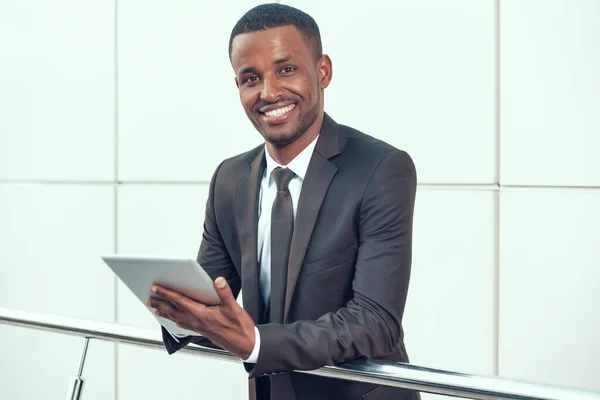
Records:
x=183, y=275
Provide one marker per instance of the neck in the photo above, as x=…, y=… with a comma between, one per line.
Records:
x=284, y=155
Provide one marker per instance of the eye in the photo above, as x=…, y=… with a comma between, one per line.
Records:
x=288, y=70
x=250, y=79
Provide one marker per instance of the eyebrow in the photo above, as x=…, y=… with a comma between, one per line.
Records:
x=281, y=60
x=247, y=70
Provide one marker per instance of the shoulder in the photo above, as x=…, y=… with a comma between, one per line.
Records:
x=371, y=153
x=238, y=166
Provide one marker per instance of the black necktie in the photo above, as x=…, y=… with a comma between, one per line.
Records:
x=282, y=226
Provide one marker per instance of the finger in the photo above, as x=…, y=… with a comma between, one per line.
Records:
x=163, y=307
x=187, y=326
x=167, y=310
x=178, y=299
x=154, y=302
x=224, y=292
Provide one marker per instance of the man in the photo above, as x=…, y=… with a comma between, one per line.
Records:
x=315, y=226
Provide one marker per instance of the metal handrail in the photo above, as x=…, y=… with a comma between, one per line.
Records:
x=382, y=373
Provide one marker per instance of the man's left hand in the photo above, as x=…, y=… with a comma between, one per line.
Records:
x=227, y=325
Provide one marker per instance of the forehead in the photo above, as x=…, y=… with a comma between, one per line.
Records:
x=267, y=46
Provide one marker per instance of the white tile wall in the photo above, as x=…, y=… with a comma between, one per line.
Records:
x=183, y=124
x=178, y=376
x=40, y=365
x=449, y=317
x=51, y=237
x=166, y=220
x=550, y=95
x=57, y=90
x=549, y=277
x=419, y=74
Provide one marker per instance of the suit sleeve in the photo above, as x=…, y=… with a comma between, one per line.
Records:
x=215, y=260
x=369, y=325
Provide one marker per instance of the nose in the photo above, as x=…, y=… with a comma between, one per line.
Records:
x=271, y=90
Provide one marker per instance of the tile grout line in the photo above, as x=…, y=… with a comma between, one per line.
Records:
x=497, y=90
x=458, y=186
x=496, y=286
x=116, y=186
x=116, y=287
x=496, y=282
x=54, y=182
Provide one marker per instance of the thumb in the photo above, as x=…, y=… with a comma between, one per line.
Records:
x=224, y=291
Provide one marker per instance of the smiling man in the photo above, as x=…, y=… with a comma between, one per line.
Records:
x=315, y=225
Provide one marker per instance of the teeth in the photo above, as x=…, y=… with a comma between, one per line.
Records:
x=280, y=111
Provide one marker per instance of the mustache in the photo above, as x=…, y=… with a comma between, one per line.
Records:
x=263, y=105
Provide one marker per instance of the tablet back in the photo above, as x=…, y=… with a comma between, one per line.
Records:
x=183, y=275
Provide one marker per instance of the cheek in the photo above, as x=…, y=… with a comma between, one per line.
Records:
x=248, y=98
x=308, y=88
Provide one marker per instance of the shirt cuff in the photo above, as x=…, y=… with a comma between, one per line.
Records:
x=253, y=358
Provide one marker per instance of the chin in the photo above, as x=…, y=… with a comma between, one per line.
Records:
x=281, y=140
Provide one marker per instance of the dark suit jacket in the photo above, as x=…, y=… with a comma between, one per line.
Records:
x=349, y=264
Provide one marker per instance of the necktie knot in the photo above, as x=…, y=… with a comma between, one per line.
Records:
x=282, y=178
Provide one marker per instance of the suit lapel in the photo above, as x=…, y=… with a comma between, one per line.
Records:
x=314, y=188
x=247, y=195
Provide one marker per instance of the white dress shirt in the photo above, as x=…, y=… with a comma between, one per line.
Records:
x=268, y=192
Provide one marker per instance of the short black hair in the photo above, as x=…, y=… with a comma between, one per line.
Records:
x=274, y=15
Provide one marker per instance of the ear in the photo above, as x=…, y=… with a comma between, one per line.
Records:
x=237, y=83
x=325, y=70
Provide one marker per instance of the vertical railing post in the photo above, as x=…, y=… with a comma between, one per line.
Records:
x=76, y=384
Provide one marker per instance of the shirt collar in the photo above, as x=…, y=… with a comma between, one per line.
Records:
x=298, y=165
